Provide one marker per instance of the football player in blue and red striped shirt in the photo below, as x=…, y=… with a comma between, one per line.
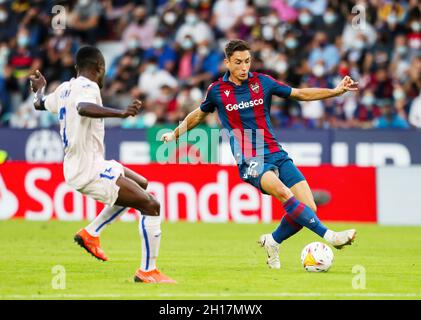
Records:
x=243, y=100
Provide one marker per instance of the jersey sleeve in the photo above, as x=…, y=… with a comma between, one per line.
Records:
x=51, y=103
x=208, y=105
x=278, y=88
x=88, y=93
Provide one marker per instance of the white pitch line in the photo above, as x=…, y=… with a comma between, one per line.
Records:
x=206, y=295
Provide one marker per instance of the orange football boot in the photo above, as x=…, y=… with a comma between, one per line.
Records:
x=90, y=244
x=153, y=276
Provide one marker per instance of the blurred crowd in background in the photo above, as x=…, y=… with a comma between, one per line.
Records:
x=170, y=51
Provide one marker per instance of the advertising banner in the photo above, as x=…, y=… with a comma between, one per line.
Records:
x=377, y=148
x=207, y=193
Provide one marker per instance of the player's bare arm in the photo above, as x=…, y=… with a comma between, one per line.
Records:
x=38, y=84
x=92, y=110
x=309, y=94
x=192, y=120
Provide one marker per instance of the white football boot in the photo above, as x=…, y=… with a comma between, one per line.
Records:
x=343, y=238
x=272, y=250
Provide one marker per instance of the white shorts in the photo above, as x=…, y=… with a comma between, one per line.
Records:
x=104, y=188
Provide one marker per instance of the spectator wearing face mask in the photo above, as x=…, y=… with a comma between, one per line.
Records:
x=188, y=58
x=281, y=67
x=133, y=52
x=248, y=26
x=382, y=51
x=366, y=111
x=141, y=28
x=414, y=31
x=152, y=79
x=319, y=76
x=305, y=28
x=163, y=51
x=187, y=99
x=23, y=60
x=351, y=31
x=296, y=56
x=400, y=100
x=389, y=118
x=323, y=51
x=381, y=84
x=401, y=57
x=198, y=30
x=332, y=24
x=391, y=14
x=126, y=76
x=359, y=56
x=206, y=66
x=170, y=22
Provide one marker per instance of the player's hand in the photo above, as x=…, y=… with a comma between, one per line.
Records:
x=132, y=110
x=37, y=81
x=347, y=84
x=168, y=137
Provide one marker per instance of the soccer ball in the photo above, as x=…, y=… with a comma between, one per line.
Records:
x=316, y=257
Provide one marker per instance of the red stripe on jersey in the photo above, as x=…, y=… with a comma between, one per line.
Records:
x=259, y=113
x=234, y=120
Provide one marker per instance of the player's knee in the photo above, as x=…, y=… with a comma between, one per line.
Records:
x=154, y=205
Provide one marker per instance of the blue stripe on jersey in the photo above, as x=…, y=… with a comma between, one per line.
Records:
x=223, y=116
x=249, y=122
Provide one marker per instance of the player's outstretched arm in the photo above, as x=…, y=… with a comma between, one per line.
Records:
x=38, y=84
x=92, y=110
x=192, y=120
x=308, y=94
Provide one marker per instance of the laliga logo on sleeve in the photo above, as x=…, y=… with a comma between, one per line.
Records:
x=8, y=202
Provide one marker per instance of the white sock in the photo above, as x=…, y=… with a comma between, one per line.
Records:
x=105, y=217
x=329, y=236
x=150, y=233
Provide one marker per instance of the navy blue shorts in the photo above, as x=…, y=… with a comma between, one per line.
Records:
x=252, y=169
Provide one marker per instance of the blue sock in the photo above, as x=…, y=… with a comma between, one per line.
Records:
x=286, y=229
x=304, y=216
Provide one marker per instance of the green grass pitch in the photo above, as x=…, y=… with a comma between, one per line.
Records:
x=209, y=261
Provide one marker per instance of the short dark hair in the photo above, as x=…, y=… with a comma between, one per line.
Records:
x=236, y=45
x=88, y=56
